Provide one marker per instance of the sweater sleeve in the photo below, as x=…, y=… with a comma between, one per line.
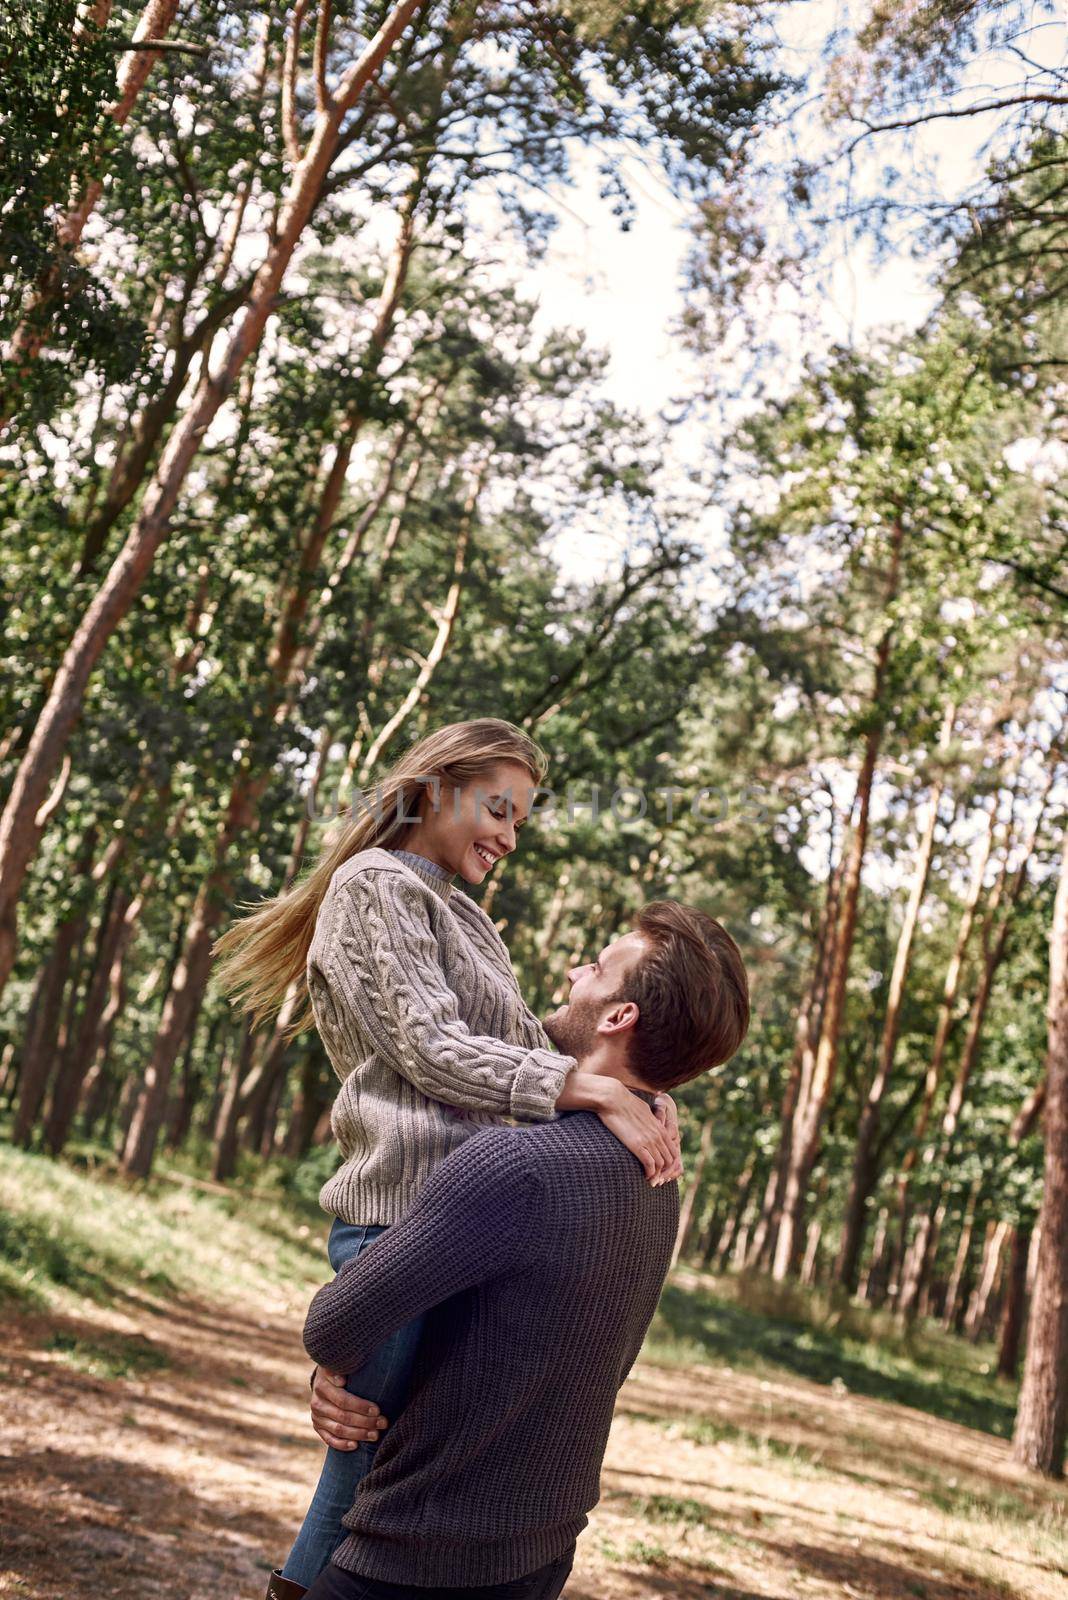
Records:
x=384, y=967
x=471, y=1222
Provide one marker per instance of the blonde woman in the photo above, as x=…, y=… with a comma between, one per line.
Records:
x=412, y=990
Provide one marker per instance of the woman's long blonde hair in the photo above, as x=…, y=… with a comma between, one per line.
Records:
x=265, y=953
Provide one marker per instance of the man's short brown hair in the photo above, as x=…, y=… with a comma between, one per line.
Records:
x=692, y=995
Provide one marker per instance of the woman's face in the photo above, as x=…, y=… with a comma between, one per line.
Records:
x=474, y=826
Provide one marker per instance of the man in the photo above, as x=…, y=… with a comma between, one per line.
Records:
x=539, y=1253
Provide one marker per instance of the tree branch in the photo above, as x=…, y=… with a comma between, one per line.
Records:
x=952, y=111
x=324, y=100
x=174, y=45
x=290, y=130
x=366, y=66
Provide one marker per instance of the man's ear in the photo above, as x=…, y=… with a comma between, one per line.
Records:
x=621, y=1018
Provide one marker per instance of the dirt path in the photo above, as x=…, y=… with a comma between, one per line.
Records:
x=147, y=1453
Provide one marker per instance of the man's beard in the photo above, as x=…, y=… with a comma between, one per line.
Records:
x=573, y=1029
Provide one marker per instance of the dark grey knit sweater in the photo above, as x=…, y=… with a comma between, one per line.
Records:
x=542, y=1252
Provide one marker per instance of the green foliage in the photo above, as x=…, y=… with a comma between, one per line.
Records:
x=69, y=1236
x=56, y=133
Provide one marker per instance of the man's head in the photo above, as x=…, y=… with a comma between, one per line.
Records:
x=661, y=1004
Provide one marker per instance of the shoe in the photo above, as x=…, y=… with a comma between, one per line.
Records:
x=279, y=1588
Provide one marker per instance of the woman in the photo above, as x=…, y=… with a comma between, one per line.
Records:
x=413, y=994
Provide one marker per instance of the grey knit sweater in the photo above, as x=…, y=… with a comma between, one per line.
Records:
x=539, y=1254
x=416, y=1002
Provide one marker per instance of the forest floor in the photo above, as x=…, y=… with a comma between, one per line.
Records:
x=154, y=1437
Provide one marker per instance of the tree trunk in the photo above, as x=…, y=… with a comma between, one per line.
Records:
x=78, y=1060
x=943, y=1026
x=19, y=830
x=269, y=1142
x=994, y=940
x=865, y=1165
x=8, y=1072
x=137, y=450
x=799, y=1078
x=805, y=1138
x=179, y=1118
x=1012, y=1315
x=224, y=1151
x=95, y=1043
x=267, y=1070
x=690, y=1198
x=307, y=1105
x=179, y=1013
x=125, y=1107
x=711, y=1236
x=446, y=619
x=765, y=1233
x=806, y=1134
x=1014, y=1311
x=870, y=1290
x=960, y=1260
x=31, y=1023
x=1042, y=1414
x=812, y=1248
x=989, y=1273
x=39, y=1051
x=727, y=1237
x=45, y=1042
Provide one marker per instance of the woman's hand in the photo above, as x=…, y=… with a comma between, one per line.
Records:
x=342, y=1420
x=633, y=1122
x=668, y=1116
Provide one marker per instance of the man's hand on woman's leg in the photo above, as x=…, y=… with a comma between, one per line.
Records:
x=342, y=1420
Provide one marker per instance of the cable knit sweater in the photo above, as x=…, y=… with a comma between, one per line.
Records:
x=539, y=1255
x=421, y=1015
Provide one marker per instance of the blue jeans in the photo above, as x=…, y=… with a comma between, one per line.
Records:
x=383, y=1378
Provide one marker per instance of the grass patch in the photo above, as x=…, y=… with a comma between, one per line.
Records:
x=810, y=1338
x=965, y=1500
x=760, y=1446
x=669, y=1508
x=636, y=1550
x=70, y=1235
x=110, y=1358
x=646, y=1553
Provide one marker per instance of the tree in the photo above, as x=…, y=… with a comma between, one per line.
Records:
x=54, y=277
x=18, y=828
x=880, y=461
x=864, y=1155
x=60, y=91
x=1042, y=1413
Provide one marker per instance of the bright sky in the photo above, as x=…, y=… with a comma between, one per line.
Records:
x=623, y=289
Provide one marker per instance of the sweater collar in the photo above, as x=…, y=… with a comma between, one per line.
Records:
x=430, y=873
